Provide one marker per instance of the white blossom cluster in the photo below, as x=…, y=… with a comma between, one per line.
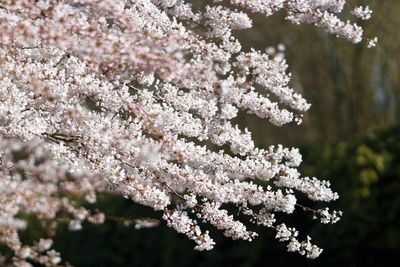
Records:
x=140, y=97
x=361, y=12
x=283, y=233
x=34, y=183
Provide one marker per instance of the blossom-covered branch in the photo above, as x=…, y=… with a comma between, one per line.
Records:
x=139, y=97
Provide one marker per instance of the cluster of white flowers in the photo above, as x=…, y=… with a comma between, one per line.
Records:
x=283, y=233
x=372, y=42
x=182, y=223
x=139, y=97
x=34, y=183
x=363, y=13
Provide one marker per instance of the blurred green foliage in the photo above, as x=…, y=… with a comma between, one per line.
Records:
x=366, y=173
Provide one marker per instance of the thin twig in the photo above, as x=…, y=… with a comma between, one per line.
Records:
x=66, y=55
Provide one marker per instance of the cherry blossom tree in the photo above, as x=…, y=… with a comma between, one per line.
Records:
x=139, y=98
